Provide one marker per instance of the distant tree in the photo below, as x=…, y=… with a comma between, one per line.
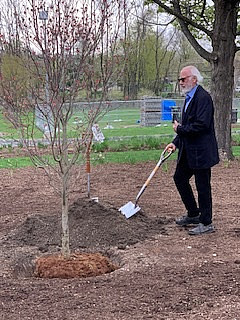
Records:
x=63, y=49
x=149, y=53
x=134, y=47
x=218, y=22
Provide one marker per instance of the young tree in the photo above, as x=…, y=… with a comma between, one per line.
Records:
x=66, y=48
x=217, y=21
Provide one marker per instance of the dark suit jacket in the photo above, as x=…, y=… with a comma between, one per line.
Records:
x=196, y=134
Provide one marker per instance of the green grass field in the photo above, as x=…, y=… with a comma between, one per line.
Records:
x=106, y=157
x=125, y=139
x=124, y=122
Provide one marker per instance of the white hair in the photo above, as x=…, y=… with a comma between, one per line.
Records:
x=195, y=72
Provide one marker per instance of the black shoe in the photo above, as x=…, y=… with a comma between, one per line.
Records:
x=186, y=220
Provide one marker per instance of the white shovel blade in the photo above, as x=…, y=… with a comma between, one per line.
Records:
x=129, y=209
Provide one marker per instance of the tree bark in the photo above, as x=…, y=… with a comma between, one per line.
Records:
x=222, y=79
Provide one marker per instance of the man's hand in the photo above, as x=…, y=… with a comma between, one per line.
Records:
x=175, y=125
x=170, y=147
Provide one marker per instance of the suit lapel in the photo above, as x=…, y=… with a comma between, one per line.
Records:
x=185, y=113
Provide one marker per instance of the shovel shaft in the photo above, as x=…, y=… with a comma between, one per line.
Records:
x=148, y=180
x=162, y=159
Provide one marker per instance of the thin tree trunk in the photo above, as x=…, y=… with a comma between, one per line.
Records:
x=65, y=224
x=65, y=175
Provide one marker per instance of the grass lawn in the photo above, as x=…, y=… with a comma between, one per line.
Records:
x=104, y=157
x=127, y=141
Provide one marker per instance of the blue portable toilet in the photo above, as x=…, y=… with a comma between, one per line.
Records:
x=167, y=109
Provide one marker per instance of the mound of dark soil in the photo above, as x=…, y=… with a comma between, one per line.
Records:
x=93, y=226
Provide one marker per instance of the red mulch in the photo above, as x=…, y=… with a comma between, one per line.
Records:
x=78, y=265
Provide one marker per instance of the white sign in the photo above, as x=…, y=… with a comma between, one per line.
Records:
x=97, y=133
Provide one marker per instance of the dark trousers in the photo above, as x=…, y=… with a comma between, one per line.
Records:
x=203, y=185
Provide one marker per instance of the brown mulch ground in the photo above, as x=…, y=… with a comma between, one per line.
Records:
x=161, y=273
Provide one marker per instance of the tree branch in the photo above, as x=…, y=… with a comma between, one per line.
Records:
x=203, y=8
x=184, y=26
x=149, y=23
x=184, y=22
x=179, y=15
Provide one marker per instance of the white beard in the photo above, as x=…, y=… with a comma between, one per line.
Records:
x=186, y=89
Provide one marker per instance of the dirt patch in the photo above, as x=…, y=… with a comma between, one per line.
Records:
x=76, y=266
x=162, y=272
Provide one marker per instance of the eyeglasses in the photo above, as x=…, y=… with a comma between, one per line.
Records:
x=183, y=79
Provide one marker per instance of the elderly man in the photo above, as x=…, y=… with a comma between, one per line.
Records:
x=198, y=152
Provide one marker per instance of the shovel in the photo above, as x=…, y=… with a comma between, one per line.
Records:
x=129, y=209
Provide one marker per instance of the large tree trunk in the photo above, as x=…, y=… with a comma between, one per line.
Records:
x=224, y=49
